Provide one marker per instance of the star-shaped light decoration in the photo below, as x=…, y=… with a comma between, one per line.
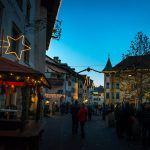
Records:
x=11, y=51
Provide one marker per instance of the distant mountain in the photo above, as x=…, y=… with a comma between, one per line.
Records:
x=99, y=89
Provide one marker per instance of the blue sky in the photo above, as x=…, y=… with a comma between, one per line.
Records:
x=94, y=29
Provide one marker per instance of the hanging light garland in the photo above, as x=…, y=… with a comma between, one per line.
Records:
x=12, y=78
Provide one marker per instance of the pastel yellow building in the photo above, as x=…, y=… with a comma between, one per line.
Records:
x=129, y=80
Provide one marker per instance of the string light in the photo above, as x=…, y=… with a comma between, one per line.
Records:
x=8, y=48
x=12, y=86
x=2, y=42
x=39, y=81
x=17, y=78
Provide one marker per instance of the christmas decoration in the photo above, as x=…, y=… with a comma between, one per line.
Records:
x=12, y=51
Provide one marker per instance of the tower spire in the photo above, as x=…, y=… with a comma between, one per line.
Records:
x=108, y=66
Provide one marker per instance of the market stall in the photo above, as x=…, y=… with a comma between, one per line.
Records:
x=20, y=92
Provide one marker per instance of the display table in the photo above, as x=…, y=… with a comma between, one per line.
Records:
x=8, y=114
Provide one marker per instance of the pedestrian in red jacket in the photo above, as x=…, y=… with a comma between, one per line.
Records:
x=82, y=115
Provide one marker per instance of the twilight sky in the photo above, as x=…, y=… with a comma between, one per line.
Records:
x=94, y=29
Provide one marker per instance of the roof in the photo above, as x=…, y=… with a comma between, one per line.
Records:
x=108, y=66
x=62, y=68
x=134, y=62
x=7, y=66
x=52, y=10
x=56, y=67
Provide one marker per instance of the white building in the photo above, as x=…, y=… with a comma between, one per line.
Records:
x=65, y=81
x=24, y=17
x=25, y=31
x=97, y=98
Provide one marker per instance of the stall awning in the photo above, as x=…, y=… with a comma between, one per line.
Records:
x=12, y=71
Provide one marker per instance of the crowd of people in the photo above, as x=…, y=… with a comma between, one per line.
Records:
x=82, y=113
x=79, y=115
x=130, y=122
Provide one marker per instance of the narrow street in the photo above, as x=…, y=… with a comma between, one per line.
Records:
x=79, y=56
x=57, y=136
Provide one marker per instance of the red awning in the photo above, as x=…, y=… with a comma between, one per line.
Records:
x=9, y=83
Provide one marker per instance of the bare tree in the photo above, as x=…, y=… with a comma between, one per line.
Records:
x=139, y=46
x=135, y=75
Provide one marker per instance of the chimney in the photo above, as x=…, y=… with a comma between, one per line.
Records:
x=56, y=59
x=73, y=69
x=59, y=61
x=64, y=64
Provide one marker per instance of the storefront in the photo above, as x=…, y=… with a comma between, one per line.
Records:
x=20, y=93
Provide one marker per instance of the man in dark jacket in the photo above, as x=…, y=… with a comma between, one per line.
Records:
x=74, y=112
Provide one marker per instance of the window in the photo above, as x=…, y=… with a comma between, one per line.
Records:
x=60, y=91
x=53, y=75
x=113, y=96
x=28, y=11
x=26, y=53
x=107, y=85
x=117, y=86
x=15, y=34
x=1, y=15
x=60, y=76
x=19, y=2
x=80, y=95
x=107, y=95
x=81, y=86
x=73, y=90
x=107, y=75
x=69, y=83
x=117, y=95
x=69, y=94
x=112, y=85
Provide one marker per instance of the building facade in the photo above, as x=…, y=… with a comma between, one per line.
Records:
x=67, y=82
x=111, y=84
x=129, y=80
x=24, y=41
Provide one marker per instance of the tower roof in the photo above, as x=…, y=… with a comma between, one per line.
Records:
x=108, y=66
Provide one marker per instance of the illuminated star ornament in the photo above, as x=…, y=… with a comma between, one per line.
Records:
x=9, y=50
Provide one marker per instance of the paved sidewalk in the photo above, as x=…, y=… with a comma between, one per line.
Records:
x=25, y=140
x=32, y=128
x=58, y=136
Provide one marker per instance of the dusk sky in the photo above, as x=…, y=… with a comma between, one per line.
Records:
x=94, y=29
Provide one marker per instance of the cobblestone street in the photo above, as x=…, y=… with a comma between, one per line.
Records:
x=57, y=136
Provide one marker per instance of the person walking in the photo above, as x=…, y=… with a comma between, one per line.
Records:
x=74, y=112
x=119, y=121
x=89, y=112
x=82, y=115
